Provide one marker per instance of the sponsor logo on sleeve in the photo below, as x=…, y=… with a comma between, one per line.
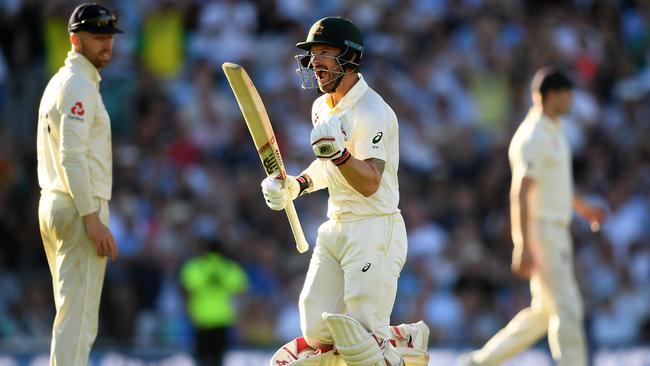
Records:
x=77, y=111
x=377, y=138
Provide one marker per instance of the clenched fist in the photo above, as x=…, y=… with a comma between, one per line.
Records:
x=328, y=141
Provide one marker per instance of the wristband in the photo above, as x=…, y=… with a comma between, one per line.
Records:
x=345, y=156
x=304, y=183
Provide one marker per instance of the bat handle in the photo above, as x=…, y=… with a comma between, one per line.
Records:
x=296, y=228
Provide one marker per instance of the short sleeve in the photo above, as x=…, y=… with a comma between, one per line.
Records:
x=372, y=132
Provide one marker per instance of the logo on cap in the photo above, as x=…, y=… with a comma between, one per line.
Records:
x=319, y=30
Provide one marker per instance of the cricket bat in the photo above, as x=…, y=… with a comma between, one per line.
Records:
x=261, y=130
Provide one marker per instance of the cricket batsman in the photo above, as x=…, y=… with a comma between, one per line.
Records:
x=351, y=283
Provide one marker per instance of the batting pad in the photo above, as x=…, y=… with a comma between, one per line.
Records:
x=353, y=342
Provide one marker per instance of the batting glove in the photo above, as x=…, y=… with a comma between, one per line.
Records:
x=328, y=141
x=278, y=193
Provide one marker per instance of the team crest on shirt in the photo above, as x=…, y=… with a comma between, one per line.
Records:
x=77, y=111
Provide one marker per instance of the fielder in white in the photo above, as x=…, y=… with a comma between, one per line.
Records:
x=75, y=176
x=351, y=283
x=542, y=200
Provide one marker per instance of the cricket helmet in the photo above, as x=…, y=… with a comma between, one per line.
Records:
x=336, y=32
x=333, y=31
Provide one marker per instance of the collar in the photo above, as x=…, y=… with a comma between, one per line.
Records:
x=80, y=63
x=351, y=97
x=549, y=125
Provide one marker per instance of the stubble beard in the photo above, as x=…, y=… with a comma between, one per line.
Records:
x=328, y=86
x=95, y=59
x=99, y=62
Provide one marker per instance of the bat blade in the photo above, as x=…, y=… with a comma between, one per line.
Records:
x=261, y=131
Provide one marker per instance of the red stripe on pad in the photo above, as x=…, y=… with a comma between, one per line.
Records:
x=295, y=357
x=323, y=139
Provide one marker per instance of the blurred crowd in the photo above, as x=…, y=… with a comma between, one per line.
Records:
x=457, y=74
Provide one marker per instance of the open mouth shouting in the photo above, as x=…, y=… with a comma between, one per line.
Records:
x=321, y=75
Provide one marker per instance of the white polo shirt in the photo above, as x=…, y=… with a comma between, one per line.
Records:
x=74, y=136
x=373, y=133
x=539, y=150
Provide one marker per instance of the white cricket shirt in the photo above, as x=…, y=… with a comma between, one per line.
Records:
x=74, y=136
x=373, y=133
x=539, y=150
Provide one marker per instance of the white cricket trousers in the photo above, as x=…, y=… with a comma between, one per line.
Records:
x=77, y=277
x=556, y=306
x=353, y=269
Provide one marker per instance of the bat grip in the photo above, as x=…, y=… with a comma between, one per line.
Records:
x=296, y=228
